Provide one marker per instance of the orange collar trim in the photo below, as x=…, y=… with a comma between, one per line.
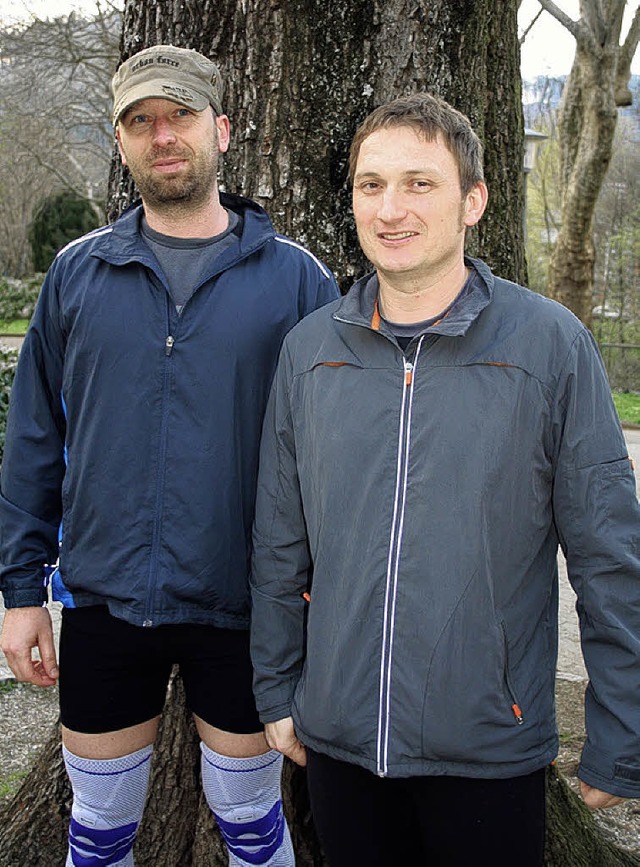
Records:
x=375, y=319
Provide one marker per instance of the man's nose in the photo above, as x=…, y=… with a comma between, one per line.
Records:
x=163, y=132
x=391, y=207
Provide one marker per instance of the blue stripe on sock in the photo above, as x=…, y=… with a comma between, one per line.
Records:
x=82, y=770
x=91, y=847
x=268, y=834
x=240, y=770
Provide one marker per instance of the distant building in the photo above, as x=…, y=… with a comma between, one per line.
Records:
x=605, y=311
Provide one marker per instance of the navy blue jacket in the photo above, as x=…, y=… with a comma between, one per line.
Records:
x=136, y=429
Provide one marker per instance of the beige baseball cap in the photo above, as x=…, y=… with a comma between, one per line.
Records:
x=181, y=75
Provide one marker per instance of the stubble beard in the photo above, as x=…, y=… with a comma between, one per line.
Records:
x=187, y=190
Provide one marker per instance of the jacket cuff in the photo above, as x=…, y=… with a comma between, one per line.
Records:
x=274, y=714
x=616, y=777
x=25, y=598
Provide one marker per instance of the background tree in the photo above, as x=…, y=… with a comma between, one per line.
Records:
x=55, y=129
x=617, y=239
x=596, y=87
x=616, y=314
x=22, y=185
x=541, y=99
x=300, y=75
x=616, y=228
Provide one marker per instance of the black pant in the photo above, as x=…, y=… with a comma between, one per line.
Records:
x=367, y=821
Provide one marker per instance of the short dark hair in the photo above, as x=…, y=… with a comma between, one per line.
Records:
x=429, y=116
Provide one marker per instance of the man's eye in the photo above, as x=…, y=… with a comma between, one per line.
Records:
x=422, y=185
x=138, y=119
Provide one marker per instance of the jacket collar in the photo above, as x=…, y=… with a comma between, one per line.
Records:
x=125, y=244
x=359, y=306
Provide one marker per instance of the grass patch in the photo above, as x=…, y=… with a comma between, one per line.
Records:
x=569, y=738
x=10, y=783
x=13, y=326
x=7, y=686
x=628, y=406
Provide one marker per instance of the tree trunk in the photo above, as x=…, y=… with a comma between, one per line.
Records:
x=573, y=839
x=300, y=75
x=596, y=85
x=586, y=126
x=34, y=823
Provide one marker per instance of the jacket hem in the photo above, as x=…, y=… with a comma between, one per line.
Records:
x=421, y=767
x=176, y=616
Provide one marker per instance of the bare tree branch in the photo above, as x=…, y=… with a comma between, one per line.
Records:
x=571, y=25
x=611, y=25
x=625, y=57
x=527, y=30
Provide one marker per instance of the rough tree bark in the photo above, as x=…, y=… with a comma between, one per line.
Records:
x=596, y=87
x=300, y=75
x=573, y=839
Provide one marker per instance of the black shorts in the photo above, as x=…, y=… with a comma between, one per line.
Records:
x=114, y=675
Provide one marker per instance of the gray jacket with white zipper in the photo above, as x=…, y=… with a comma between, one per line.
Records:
x=418, y=500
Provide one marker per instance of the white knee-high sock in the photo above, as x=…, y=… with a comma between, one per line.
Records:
x=244, y=796
x=108, y=801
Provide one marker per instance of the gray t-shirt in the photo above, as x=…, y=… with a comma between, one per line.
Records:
x=405, y=332
x=185, y=261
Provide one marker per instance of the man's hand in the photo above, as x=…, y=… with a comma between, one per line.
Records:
x=23, y=630
x=596, y=799
x=281, y=736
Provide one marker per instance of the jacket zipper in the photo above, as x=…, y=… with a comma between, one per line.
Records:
x=162, y=457
x=393, y=563
x=515, y=706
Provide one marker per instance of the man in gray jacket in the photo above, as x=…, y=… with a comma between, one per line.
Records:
x=430, y=440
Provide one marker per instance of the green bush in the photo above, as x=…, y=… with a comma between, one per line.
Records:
x=18, y=297
x=61, y=218
x=8, y=361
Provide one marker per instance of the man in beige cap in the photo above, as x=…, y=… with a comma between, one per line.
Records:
x=132, y=452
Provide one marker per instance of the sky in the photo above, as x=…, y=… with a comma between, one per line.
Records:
x=547, y=50
x=549, y=47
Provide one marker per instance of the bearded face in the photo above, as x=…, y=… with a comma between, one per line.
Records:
x=172, y=153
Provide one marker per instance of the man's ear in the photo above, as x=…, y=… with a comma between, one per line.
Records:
x=224, y=132
x=122, y=155
x=475, y=203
